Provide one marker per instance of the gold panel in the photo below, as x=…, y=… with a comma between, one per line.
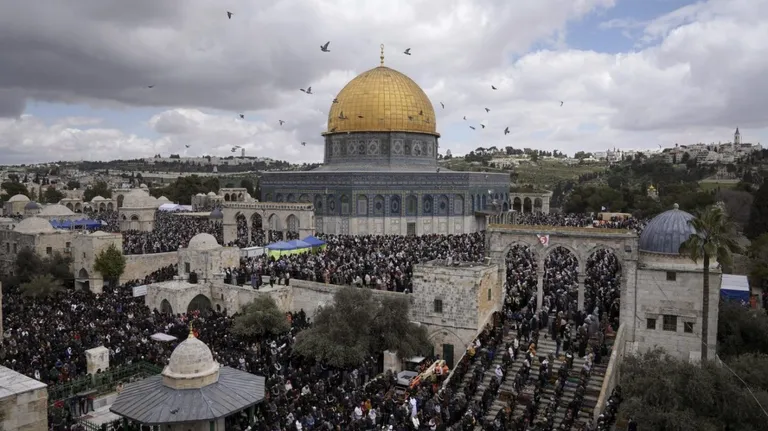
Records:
x=382, y=100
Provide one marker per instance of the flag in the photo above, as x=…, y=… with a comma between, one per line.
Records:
x=543, y=239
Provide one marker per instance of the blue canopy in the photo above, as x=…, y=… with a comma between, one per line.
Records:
x=314, y=242
x=297, y=243
x=281, y=245
x=79, y=224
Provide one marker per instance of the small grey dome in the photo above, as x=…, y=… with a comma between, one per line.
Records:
x=203, y=241
x=216, y=214
x=666, y=232
x=31, y=205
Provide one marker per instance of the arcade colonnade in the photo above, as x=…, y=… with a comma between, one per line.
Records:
x=275, y=217
x=528, y=202
x=580, y=242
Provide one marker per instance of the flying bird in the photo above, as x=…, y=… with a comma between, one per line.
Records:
x=494, y=87
x=561, y=103
x=483, y=126
x=308, y=90
x=465, y=118
x=281, y=122
x=660, y=147
x=506, y=131
x=442, y=104
x=407, y=51
x=304, y=144
x=335, y=100
x=150, y=86
x=341, y=116
x=359, y=116
x=229, y=14
x=472, y=127
x=324, y=48
x=242, y=116
x=487, y=110
x=187, y=145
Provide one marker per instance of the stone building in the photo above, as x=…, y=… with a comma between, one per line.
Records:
x=203, y=201
x=32, y=209
x=138, y=211
x=271, y=217
x=58, y=213
x=23, y=402
x=193, y=393
x=206, y=257
x=455, y=302
x=36, y=234
x=380, y=172
x=15, y=205
x=660, y=299
x=86, y=246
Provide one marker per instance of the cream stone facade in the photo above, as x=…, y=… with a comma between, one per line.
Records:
x=206, y=257
x=532, y=202
x=86, y=247
x=137, y=211
x=15, y=205
x=97, y=360
x=271, y=216
x=36, y=234
x=58, y=213
x=23, y=402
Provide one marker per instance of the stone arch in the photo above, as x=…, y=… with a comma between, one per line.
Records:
x=517, y=204
x=318, y=204
x=83, y=280
x=274, y=222
x=362, y=205
x=304, y=198
x=443, y=207
x=292, y=224
x=241, y=223
x=78, y=207
x=555, y=245
x=527, y=205
x=483, y=202
x=102, y=207
x=125, y=217
x=257, y=229
x=378, y=205
x=70, y=206
x=505, y=206
x=199, y=303
x=521, y=271
x=268, y=197
x=599, y=291
x=165, y=307
x=394, y=206
x=239, y=197
x=537, y=205
x=110, y=207
x=411, y=205
x=226, y=197
x=346, y=205
x=279, y=197
x=458, y=205
x=120, y=200
x=442, y=336
x=568, y=279
x=291, y=198
x=331, y=208
x=428, y=205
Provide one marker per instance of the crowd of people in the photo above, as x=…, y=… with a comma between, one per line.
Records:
x=46, y=338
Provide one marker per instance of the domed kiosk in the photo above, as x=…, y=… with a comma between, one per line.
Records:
x=193, y=392
x=205, y=256
x=380, y=173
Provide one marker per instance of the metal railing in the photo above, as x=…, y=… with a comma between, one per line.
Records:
x=102, y=383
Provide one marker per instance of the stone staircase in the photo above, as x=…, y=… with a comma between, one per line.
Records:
x=546, y=346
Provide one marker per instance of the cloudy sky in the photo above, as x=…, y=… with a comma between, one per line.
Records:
x=74, y=75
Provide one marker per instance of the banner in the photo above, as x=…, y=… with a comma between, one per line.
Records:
x=543, y=239
x=139, y=291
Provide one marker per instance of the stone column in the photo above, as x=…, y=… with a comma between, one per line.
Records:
x=581, y=292
x=539, y=289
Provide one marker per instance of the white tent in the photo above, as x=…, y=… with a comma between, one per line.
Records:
x=735, y=287
x=162, y=337
x=169, y=207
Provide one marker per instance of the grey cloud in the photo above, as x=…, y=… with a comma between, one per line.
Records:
x=12, y=102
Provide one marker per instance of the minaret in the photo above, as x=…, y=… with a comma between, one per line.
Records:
x=736, y=139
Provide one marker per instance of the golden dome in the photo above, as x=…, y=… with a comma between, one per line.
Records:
x=382, y=100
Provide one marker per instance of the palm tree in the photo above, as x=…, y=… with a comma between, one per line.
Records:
x=42, y=285
x=715, y=237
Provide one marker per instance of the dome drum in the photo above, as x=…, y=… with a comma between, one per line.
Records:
x=191, y=366
x=416, y=150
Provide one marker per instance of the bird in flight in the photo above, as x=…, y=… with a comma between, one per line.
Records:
x=341, y=116
x=308, y=90
x=229, y=14
x=483, y=126
x=465, y=118
x=187, y=145
x=303, y=144
x=506, y=131
x=472, y=127
x=335, y=100
x=281, y=122
x=494, y=87
x=660, y=147
x=150, y=86
x=487, y=110
x=407, y=51
x=359, y=116
x=561, y=103
x=242, y=116
x=442, y=104
x=324, y=48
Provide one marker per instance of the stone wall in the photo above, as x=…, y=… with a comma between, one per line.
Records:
x=381, y=225
x=309, y=295
x=137, y=266
x=27, y=411
x=612, y=372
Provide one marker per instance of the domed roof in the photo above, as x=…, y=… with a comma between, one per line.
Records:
x=138, y=198
x=666, y=232
x=211, y=194
x=97, y=199
x=191, y=359
x=34, y=225
x=216, y=214
x=56, y=210
x=382, y=100
x=31, y=205
x=18, y=198
x=163, y=199
x=143, y=186
x=203, y=241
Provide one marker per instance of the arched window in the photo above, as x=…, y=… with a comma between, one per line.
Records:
x=394, y=206
x=345, y=205
x=362, y=205
x=442, y=205
x=378, y=205
x=458, y=205
x=427, y=205
x=411, y=205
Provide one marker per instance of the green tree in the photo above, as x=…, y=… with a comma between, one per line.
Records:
x=714, y=238
x=347, y=332
x=741, y=330
x=247, y=184
x=73, y=184
x=260, y=317
x=110, y=263
x=101, y=188
x=758, y=261
x=758, y=215
x=52, y=196
x=41, y=286
x=12, y=188
x=28, y=264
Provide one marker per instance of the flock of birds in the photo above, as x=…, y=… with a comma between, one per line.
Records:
x=308, y=90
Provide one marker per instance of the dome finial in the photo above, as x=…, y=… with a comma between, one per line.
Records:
x=191, y=331
x=382, y=54
x=676, y=206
